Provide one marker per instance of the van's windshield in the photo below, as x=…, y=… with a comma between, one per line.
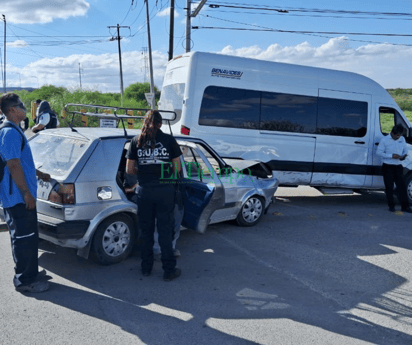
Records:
x=56, y=155
x=171, y=98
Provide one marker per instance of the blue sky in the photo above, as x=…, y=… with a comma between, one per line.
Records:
x=48, y=39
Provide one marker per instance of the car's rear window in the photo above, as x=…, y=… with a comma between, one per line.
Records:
x=56, y=155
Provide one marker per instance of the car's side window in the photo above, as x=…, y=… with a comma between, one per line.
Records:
x=212, y=161
x=195, y=166
x=190, y=163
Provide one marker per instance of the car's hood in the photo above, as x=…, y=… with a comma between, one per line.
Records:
x=240, y=163
x=256, y=168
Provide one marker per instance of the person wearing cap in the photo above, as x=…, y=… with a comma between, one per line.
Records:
x=18, y=191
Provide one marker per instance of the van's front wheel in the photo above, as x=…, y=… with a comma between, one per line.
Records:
x=408, y=186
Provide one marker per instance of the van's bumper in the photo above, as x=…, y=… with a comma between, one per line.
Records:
x=57, y=230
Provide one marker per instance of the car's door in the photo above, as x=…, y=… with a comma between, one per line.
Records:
x=201, y=188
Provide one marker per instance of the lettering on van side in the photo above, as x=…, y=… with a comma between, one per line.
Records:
x=224, y=73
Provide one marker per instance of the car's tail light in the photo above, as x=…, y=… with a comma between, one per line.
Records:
x=185, y=130
x=64, y=194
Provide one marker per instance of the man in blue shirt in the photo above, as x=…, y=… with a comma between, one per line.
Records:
x=392, y=148
x=18, y=191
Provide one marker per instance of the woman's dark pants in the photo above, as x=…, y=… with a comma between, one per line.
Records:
x=156, y=202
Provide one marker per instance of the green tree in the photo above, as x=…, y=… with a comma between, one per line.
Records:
x=136, y=92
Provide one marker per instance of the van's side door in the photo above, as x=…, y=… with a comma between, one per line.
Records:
x=287, y=135
x=387, y=118
x=343, y=139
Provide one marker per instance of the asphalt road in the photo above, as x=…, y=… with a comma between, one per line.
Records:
x=316, y=270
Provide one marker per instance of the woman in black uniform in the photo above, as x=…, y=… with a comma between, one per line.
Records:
x=154, y=157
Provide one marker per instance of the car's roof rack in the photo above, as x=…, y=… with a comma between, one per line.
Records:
x=113, y=115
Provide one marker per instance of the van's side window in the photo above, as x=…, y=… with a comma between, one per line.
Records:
x=288, y=113
x=387, y=119
x=342, y=117
x=227, y=107
x=390, y=117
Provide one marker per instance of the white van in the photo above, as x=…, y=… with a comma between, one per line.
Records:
x=314, y=126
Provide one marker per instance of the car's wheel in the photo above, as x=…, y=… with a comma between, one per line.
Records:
x=408, y=185
x=114, y=239
x=251, y=212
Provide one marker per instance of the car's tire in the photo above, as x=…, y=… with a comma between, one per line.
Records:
x=251, y=212
x=408, y=186
x=114, y=239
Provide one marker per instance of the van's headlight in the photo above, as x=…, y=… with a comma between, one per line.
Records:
x=104, y=193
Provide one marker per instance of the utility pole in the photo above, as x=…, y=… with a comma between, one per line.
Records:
x=188, y=21
x=153, y=100
x=145, y=65
x=80, y=76
x=171, y=30
x=118, y=38
x=188, y=18
x=4, y=80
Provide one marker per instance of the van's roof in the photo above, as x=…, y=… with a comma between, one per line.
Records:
x=293, y=75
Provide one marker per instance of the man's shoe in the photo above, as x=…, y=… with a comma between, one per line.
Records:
x=391, y=209
x=176, y=253
x=167, y=277
x=407, y=210
x=42, y=275
x=35, y=287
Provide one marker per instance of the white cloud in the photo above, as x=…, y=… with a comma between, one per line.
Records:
x=101, y=72
x=387, y=64
x=17, y=44
x=41, y=11
x=166, y=13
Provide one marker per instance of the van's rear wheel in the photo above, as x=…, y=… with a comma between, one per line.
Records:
x=251, y=212
x=114, y=239
x=408, y=185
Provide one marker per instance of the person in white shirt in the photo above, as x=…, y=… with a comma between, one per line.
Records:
x=392, y=148
x=45, y=118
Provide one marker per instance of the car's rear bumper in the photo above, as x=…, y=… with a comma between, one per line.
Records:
x=53, y=228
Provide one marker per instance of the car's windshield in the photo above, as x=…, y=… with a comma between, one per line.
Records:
x=56, y=155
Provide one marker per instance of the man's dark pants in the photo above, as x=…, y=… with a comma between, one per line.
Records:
x=22, y=224
x=157, y=202
x=394, y=174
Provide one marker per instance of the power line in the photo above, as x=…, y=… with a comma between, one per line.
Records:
x=308, y=34
x=310, y=15
x=127, y=12
x=44, y=36
x=25, y=36
x=141, y=9
x=305, y=10
x=304, y=32
x=152, y=10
